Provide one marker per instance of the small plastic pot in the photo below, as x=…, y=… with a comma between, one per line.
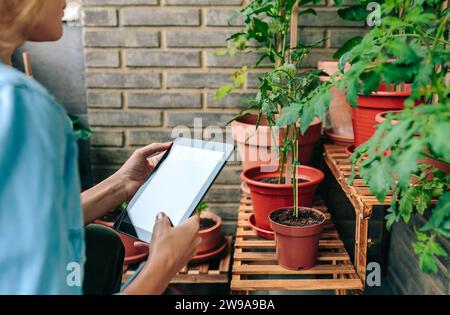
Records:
x=297, y=247
x=211, y=237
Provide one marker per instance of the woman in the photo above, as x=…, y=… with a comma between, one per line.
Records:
x=42, y=217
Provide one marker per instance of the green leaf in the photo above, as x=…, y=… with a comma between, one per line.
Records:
x=378, y=182
x=223, y=91
x=437, y=250
x=307, y=116
x=439, y=139
x=440, y=215
x=427, y=263
x=371, y=81
x=347, y=46
x=353, y=13
x=403, y=52
x=408, y=163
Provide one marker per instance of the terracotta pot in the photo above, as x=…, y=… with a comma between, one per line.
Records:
x=369, y=107
x=297, y=247
x=338, y=138
x=255, y=144
x=132, y=254
x=339, y=112
x=267, y=197
x=211, y=237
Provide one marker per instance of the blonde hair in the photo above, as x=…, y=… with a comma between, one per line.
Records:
x=16, y=18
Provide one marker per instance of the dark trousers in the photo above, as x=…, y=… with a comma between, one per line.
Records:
x=104, y=261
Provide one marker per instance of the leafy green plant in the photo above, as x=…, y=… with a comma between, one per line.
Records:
x=286, y=95
x=79, y=130
x=203, y=205
x=409, y=46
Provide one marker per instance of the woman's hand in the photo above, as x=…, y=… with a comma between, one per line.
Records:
x=139, y=166
x=170, y=250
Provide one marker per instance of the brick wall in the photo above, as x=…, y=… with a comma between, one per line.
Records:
x=149, y=67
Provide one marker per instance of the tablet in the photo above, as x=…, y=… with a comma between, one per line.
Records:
x=176, y=186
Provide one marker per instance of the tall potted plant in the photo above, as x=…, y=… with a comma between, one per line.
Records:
x=282, y=198
x=267, y=23
x=410, y=156
x=271, y=23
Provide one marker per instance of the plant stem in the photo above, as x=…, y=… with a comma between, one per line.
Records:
x=295, y=163
x=283, y=157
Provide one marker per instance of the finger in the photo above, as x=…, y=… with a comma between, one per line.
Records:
x=152, y=161
x=162, y=224
x=190, y=228
x=153, y=148
x=197, y=241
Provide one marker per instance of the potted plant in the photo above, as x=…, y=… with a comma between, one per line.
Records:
x=282, y=198
x=379, y=77
x=409, y=155
x=285, y=94
x=210, y=230
x=267, y=23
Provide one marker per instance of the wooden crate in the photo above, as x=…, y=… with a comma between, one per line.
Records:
x=255, y=267
x=214, y=271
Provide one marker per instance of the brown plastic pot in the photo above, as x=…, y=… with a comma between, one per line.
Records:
x=211, y=237
x=297, y=247
x=132, y=254
x=267, y=197
x=255, y=144
x=363, y=117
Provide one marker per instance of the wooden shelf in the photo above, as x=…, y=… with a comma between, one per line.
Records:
x=358, y=193
x=214, y=271
x=255, y=266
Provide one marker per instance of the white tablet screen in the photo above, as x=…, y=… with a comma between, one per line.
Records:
x=174, y=187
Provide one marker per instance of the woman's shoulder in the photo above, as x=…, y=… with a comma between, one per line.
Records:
x=14, y=83
x=13, y=78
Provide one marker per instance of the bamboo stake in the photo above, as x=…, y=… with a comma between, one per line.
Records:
x=292, y=44
x=27, y=64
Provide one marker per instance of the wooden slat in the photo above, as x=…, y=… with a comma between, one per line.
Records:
x=278, y=270
x=265, y=256
x=299, y=285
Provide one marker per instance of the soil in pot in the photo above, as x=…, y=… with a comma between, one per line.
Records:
x=268, y=196
x=206, y=223
x=210, y=232
x=297, y=238
x=305, y=218
x=256, y=145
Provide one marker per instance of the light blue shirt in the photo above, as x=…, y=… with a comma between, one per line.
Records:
x=41, y=223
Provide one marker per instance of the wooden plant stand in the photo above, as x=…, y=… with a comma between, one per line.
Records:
x=255, y=267
x=210, y=272
x=360, y=197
